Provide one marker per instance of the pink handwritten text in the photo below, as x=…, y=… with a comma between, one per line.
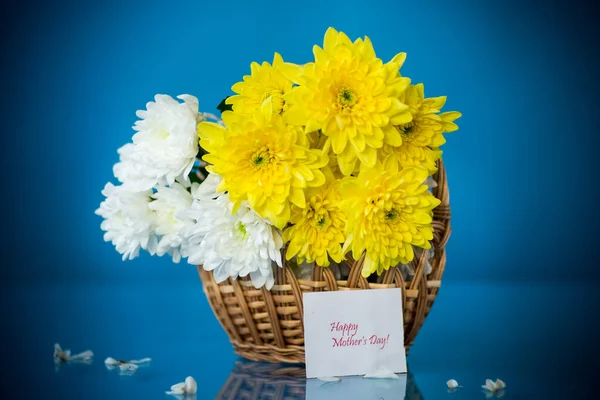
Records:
x=348, y=342
x=346, y=329
x=380, y=341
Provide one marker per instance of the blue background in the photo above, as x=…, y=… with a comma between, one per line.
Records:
x=519, y=283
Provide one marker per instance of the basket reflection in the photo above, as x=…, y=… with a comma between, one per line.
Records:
x=251, y=380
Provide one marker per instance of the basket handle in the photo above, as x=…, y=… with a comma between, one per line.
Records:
x=355, y=279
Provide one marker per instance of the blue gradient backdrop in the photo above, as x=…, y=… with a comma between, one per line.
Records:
x=521, y=168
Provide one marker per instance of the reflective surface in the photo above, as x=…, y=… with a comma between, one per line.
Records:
x=250, y=380
x=518, y=333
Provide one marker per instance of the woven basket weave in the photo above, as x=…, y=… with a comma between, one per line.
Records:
x=267, y=325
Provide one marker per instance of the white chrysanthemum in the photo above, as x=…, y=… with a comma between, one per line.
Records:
x=165, y=145
x=128, y=221
x=173, y=227
x=229, y=244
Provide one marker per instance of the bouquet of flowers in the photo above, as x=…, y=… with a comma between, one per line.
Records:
x=308, y=162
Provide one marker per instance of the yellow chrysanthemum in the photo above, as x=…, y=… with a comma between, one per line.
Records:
x=389, y=211
x=263, y=161
x=352, y=97
x=265, y=82
x=422, y=137
x=317, y=230
x=319, y=141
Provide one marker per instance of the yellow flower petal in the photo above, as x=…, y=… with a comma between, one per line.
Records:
x=280, y=220
x=399, y=59
x=296, y=116
x=359, y=143
x=297, y=197
x=338, y=142
x=211, y=131
x=391, y=135
x=330, y=39
x=368, y=157
x=312, y=125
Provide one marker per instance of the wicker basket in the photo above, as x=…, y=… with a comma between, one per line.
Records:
x=267, y=325
x=261, y=381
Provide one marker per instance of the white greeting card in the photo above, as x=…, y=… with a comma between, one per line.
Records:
x=353, y=332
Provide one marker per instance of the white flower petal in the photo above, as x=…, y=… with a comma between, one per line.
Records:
x=128, y=220
x=142, y=361
x=489, y=385
x=190, y=385
x=329, y=378
x=184, y=388
x=128, y=367
x=500, y=384
x=452, y=384
x=86, y=355
x=177, y=388
x=61, y=355
x=173, y=225
x=382, y=373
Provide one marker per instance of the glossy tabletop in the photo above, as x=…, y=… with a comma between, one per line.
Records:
x=521, y=333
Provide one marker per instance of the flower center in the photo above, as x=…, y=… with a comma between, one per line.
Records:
x=320, y=218
x=391, y=216
x=262, y=158
x=163, y=134
x=346, y=98
x=276, y=98
x=240, y=230
x=258, y=160
x=407, y=129
x=321, y=222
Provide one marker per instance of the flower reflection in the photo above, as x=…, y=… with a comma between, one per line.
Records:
x=253, y=380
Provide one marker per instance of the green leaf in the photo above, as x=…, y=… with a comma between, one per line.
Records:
x=224, y=107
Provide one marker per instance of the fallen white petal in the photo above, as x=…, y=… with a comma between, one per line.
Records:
x=128, y=367
x=177, y=388
x=382, y=373
x=142, y=361
x=489, y=385
x=187, y=387
x=500, y=384
x=61, y=355
x=452, y=384
x=329, y=378
x=85, y=355
x=190, y=385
